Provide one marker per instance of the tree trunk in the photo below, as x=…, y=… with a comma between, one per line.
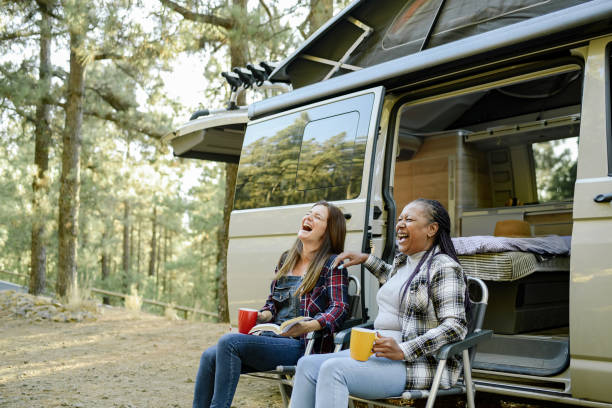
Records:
x=160, y=259
x=238, y=59
x=40, y=185
x=153, y=244
x=105, y=260
x=125, y=260
x=222, y=240
x=70, y=181
x=131, y=246
x=138, y=248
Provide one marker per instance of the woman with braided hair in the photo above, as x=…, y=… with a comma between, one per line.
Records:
x=421, y=307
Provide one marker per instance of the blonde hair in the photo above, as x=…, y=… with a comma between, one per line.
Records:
x=333, y=243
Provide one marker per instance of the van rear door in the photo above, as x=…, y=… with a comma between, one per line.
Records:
x=289, y=161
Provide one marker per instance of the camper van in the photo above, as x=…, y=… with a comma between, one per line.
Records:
x=500, y=110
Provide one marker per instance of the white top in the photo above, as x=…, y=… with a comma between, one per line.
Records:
x=388, y=322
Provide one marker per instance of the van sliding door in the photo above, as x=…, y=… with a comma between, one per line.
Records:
x=289, y=161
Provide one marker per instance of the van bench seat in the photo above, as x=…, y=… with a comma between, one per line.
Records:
x=510, y=266
x=526, y=294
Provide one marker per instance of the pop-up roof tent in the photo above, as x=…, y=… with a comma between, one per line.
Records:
x=367, y=33
x=378, y=42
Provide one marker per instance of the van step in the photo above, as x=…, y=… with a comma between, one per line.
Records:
x=537, y=356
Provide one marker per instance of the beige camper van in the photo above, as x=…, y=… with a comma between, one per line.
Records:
x=500, y=113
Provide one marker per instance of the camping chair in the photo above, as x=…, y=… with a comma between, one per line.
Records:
x=466, y=347
x=284, y=374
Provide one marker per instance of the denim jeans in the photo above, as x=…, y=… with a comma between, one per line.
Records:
x=326, y=380
x=222, y=364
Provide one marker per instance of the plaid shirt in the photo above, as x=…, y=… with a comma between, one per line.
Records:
x=327, y=302
x=430, y=318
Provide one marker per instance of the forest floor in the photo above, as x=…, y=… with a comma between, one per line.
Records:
x=119, y=358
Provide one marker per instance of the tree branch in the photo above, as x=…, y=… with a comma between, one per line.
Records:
x=17, y=35
x=201, y=18
x=265, y=7
x=126, y=124
x=46, y=7
x=108, y=55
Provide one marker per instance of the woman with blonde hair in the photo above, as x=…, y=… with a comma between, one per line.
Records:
x=305, y=284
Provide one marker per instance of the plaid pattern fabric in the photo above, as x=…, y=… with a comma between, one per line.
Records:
x=549, y=245
x=430, y=317
x=509, y=266
x=327, y=302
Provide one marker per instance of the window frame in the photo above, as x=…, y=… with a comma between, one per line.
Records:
x=369, y=133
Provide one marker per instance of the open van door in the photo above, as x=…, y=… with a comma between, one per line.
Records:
x=289, y=161
x=591, y=268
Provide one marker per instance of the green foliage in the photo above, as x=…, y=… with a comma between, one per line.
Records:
x=556, y=167
x=126, y=45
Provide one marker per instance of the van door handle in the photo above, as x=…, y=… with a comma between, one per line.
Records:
x=347, y=216
x=603, y=198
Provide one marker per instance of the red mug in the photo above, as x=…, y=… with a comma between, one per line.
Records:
x=247, y=318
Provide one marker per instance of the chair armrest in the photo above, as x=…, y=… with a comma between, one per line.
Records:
x=342, y=337
x=310, y=338
x=470, y=340
x=287, y=370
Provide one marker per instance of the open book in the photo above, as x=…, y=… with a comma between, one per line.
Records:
x=278, y=328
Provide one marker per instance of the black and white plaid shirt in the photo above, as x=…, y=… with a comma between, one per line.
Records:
x=430, y=317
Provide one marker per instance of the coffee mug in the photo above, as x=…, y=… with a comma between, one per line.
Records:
x=362, y=341
x=247, y=318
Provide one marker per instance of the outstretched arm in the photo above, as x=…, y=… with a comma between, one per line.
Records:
x=375, y=265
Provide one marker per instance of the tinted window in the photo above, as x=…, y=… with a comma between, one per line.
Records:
x=305, y=156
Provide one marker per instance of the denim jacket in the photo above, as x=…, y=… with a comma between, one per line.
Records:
x=327, y=302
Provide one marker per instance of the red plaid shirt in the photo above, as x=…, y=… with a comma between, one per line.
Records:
x=327, y=302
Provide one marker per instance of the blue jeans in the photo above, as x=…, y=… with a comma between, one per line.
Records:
x=326, y=380
x=222, y=364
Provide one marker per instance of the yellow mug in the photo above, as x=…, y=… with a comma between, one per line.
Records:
x=362, y=341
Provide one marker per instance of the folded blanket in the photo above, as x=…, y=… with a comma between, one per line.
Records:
x=550, y=245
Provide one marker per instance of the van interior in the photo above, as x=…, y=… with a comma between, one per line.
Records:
x=503, y=151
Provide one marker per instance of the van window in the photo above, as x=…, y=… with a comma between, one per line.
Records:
x=555, y=169
x=501, y=152
x=305, y=156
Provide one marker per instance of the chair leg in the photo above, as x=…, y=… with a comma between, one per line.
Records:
x=467, y=378
x=435, y=385
x=284, y=394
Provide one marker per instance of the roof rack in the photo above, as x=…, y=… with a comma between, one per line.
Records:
x=253, y=77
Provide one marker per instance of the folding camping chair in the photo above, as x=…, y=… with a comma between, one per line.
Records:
x=466, y=347
x=284, y=374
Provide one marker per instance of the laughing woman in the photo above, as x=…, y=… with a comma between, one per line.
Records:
x=420, y=309
x=305, y=284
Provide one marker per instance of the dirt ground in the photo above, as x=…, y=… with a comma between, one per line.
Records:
x=122, y=359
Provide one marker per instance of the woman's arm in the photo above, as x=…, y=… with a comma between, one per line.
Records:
x=375, y=265
x=447, y=297
x=335, y=305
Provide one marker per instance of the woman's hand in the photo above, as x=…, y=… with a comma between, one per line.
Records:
x=387, y=347
x=264, y=317
x=301, y=328
x=354, y=258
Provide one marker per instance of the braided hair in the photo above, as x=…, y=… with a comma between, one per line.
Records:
x=435, y=212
